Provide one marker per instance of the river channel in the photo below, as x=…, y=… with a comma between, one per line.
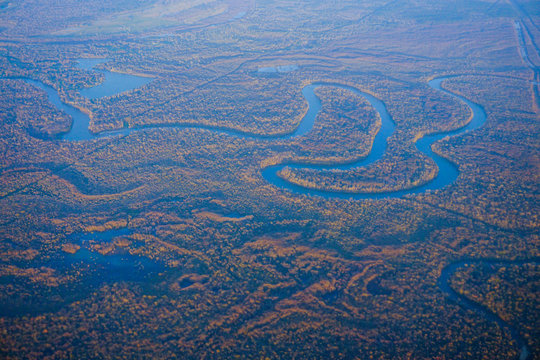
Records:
x=447, y=171
x=444, y=285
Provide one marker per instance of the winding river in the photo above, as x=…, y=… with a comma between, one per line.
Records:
x=444, y=285
x=447, y=174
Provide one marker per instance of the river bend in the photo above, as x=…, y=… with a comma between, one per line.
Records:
x=447, y=170
x=447, y=174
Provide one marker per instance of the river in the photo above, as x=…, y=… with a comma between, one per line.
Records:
x=447, y=174
x=444, y=285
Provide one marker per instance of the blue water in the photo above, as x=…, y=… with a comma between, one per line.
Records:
x=101, y=237
x=125, y=266
x=89, y=64
x=115, y=83
x=120, y=266
x=80, y=121
x=447, y=171
x=98, y=270
x=446, y=175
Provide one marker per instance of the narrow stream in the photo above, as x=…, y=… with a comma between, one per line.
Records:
x=444, y=285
